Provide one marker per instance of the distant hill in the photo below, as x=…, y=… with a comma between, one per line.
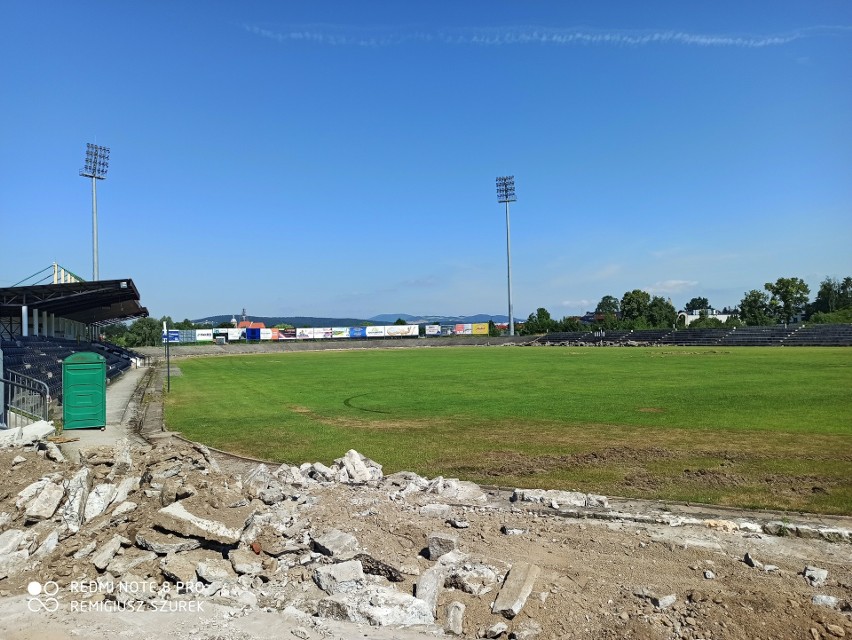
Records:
x=385, y=318
x=297, y=321
x=388, y=318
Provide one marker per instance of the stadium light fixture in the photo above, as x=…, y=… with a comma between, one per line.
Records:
x=506, y=194
x=97, y=163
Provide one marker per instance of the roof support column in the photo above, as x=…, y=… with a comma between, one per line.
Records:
x=44, y=330
x=25, y=320
x=52, y=326
x=35, y=322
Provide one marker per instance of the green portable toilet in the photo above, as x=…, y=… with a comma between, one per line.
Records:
x=84, y=391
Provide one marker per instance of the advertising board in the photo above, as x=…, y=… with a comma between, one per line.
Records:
x=375, y=332
x=402, y=330
x=234, y=334
x=357, y=332
x=266, y=334
x=204, y=335
x=433, y=329
x=287, y=334
x=305, y=333
x=480, y=328
x=340, y=332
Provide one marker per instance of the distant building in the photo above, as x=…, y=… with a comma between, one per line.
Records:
x=249, y=324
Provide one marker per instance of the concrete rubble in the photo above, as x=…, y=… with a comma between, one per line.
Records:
x=171, y=517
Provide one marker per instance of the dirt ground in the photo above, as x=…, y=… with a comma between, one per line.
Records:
x=600, y=578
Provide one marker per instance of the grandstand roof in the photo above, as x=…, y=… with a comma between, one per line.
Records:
x=96, y=302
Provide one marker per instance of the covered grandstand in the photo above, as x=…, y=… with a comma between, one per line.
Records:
x=41, y=325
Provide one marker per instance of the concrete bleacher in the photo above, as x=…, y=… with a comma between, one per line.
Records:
x=820, y=335
x=815, y=335
x=696, y=337
x=565, y=337
x=757, y=336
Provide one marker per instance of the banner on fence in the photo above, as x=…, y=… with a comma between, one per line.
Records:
x=305, y=333
x=433, y=329
x=375, y=332
x=340, y=332
x=287, y=334
x=204, y=335
x=402, y=330
x=480, y=328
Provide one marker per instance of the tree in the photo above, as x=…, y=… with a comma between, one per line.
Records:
x=833, y=295
x=145, y=332
x=186, y=323
x=706, y=322
x=661, y=313
x=634, y=305
x=571, y=323
x=399, y=321
x=697, y=304
x=608, y=306
x=754, y=309
x=493, y=331
x=538, y=322
x=789, y=296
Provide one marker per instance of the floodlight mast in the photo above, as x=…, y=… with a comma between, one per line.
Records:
x=97, y=163
x=506, y=194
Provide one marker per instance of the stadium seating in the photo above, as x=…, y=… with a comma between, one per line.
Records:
x=820, y=335
x=41, y=357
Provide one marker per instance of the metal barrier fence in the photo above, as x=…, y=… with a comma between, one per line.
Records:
x=25, y=400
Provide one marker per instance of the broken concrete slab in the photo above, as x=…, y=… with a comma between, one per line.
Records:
x=336, y=544
x=129, y=561
x=436, y=510
x=10, y=540
x=28, y=493
x=377, y=606
x=163, y=543
x=440, y=543
x=105, y=553
x=52, y=452
x=245, y=562
x=474, y=578
x=13, y=562
x=516, y=589
x=455, y=619
x=123, y=459
x=178, y=569
x=215, y=570
x=429, y=585
x=125, y=507
x=100, y=497
x=22, y=436
x=343, y=577
x=46, y=503
x=815, y=576
x=178, y=519
x=355, y=467
x=546, y=496
x=77, y=488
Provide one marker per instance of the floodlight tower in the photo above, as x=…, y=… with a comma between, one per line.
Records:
x=97, y=163
x=506, y=193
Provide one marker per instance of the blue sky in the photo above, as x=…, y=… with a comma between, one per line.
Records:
x=338, y=158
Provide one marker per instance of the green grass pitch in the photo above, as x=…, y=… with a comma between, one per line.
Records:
x=748, y=427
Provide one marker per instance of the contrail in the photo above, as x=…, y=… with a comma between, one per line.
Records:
x=331, y=35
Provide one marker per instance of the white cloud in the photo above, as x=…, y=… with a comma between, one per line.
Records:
x=671, y=286
x=336, y=35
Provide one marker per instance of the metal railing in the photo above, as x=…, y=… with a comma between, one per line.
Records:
x=25, y=400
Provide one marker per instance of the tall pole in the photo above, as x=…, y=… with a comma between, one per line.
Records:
x=95, y=230
x=97, y=164
x=506, y=193
x=509, y=271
